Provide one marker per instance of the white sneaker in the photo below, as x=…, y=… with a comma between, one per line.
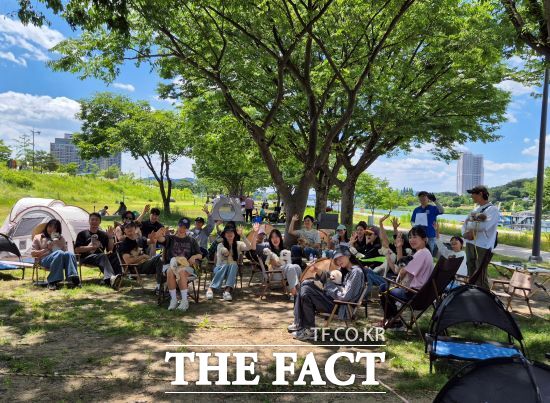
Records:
x=209, y=295
x=184, y=305
x=173, y=304
x=227, y=296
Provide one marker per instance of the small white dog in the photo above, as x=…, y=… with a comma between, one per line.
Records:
x=285, y=257
x=271, y=257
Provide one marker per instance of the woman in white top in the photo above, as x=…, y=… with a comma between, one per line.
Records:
x=227, y=257
x=456, y=250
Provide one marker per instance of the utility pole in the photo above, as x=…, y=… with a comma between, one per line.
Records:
x=535, y=256
x=33, y=133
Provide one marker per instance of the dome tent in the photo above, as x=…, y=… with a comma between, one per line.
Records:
x=29, y=212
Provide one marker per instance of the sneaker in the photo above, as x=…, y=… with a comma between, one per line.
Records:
x=304, y=334
x=184, y=305
x=116, y=280
x=209, y=295
x=76, y=281
x=52, y=286
x=173, y=304
x=227, y=296
x=293, y=328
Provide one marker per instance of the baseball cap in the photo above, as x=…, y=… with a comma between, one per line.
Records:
x=340, y=227
x=199, y=219
x=341, y=251
x=184, y=222
x=478, y=189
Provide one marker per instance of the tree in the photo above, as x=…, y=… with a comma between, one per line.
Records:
x=113, y=123
x=112, y=172
x=225, y=157
x=375, y=193
x=5, y=152
x=45, y=162
x=274, y=62
x=24, y=149
x=71, y=168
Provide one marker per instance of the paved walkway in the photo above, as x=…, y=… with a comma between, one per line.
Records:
x=511, y=251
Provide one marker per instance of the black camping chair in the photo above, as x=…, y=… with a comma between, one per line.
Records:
x=473, y=279
x=511, y=379
x=442, y=275
x=471, y=304
x=7, y=245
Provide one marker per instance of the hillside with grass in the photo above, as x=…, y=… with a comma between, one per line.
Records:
x=90, y=191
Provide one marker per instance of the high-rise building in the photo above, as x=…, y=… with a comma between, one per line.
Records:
x=469, y=172
x=65, y=151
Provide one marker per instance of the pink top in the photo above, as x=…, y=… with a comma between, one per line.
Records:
x=40, y=242
x=249, y=203
x=420, y=268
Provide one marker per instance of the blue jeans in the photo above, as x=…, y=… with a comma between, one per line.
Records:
x=374, y=279
x=390, y=309
x=296, y=253
x=58, y=262
x=227, y=272
x=432, y=246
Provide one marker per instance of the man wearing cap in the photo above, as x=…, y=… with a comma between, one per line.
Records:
x=201, y=232
x=179, y=245
x=425, y=215
x=480, y=233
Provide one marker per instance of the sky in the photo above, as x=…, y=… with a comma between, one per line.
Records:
x=34, y=96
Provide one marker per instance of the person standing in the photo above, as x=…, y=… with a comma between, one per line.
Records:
x=248, y=207
x=425, y=215
x=480, y=233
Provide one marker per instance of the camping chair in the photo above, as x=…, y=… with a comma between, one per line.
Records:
x=442, y=274
x=520, y=282
x=128, y=269
x=7, y=245
x=191, y=280
x=351, y=308
x=271, y=278
x=475, y=305
x=78, y=262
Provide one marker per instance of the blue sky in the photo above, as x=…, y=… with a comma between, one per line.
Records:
x=33, y=96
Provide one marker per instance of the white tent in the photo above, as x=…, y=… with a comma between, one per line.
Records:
x=29, y=212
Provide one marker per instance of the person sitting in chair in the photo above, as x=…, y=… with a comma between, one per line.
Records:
x=309, y=240
x=311, y=298
x=178, y=271
x=340, y=237
x=412, y=275
x=132, y=250
x=93, y=245
x=50, y=248
x=292, y=272
x=227, y=258
x=201, y=232
x=128, y=217
x=104, y=211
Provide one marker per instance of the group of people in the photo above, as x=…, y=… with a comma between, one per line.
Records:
x=365, y=258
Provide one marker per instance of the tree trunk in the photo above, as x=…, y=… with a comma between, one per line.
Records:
x=296, y=205
x=322, y=187
x=348, y=202
x=278, y=199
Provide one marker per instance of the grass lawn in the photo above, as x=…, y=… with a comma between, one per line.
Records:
x=97, y=344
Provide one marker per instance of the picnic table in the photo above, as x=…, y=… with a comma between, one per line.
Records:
x=541, y=275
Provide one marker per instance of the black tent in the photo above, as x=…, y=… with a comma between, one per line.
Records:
x=511, y=379
x=471, y=304
x=7, y=245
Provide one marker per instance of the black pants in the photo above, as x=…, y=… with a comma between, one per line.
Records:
x=248, y=213
x=309, y=300
x=106, y=264
x=152, y=266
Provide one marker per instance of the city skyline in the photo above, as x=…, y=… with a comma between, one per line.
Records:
x=469, y=172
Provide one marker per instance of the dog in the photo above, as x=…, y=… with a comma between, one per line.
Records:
x=285, y=257
x=271, y=257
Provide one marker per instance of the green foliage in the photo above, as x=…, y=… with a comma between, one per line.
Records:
x=45, y=162
x=5, y=151
x=15, y=178
x=71, y=168
x=375, y=193
x=112, y=172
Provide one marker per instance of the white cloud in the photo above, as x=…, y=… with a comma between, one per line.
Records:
x=26, y=42
x=533, y=151
x=514, y=87
x=125, y=87
x=526, y=140
x=11, y=57
x=510, y=117
x=52, y=116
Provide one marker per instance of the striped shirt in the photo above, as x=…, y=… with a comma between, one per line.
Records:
x=353, y=286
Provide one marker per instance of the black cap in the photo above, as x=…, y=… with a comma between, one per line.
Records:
x=342, y=250
x=199, y=219
x=184, y=222
x=478, y=189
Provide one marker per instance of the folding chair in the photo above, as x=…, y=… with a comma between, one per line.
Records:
x=271, y=278
x=78, y=261
x=128, y=269
x=430, y=293
x=351, y=308
x=481, y=269
x=520, y=282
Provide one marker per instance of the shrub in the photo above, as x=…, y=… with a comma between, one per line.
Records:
x=16, y=179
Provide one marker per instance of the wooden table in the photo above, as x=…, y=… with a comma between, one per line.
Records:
x=541, y=275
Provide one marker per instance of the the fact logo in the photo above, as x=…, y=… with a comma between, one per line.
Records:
x=285, y=365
